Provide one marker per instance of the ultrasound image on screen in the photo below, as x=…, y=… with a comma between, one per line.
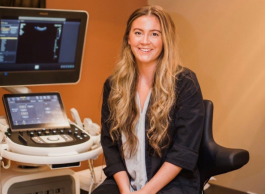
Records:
x=43, y=40
x=30, y=110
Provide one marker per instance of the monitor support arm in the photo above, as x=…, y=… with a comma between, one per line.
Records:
x=18, y=89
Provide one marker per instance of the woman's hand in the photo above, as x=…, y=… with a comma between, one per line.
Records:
x=140, y=192
x=168, y=171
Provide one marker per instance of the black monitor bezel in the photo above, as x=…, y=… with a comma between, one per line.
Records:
x=28, y=78
x=13, y=127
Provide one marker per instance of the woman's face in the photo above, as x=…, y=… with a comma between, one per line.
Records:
x=145, y=39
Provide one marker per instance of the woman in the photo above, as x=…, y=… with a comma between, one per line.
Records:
x=152, y=113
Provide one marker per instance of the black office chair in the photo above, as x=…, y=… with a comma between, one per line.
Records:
x=213, y=158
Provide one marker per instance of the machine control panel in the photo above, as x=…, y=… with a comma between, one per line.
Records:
x=39, y=120
x=49, y=137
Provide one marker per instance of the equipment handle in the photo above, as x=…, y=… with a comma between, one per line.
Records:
x=51, y=159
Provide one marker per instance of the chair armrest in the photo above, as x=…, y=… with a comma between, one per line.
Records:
x=227, y=159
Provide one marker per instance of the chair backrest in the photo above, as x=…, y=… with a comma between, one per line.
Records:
x=213, y=158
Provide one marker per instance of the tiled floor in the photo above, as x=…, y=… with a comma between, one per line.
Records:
x=214, y=189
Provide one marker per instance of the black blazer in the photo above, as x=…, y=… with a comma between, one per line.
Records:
x=185, y=131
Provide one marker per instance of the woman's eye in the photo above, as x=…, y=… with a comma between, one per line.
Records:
x=155, y=34
x=138, y=33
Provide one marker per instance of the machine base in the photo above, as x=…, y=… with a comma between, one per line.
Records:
x=40, y=180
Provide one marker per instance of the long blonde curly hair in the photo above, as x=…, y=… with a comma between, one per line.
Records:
x=124, y=112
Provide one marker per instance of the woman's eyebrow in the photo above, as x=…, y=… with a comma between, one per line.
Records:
x=149, y=30
x=156, y=30
x=137, y=29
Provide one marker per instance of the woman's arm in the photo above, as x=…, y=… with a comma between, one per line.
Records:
x=122, y=181
x=164, y=175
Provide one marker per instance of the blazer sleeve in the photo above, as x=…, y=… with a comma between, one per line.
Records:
x=188, y=123
x=111, y=152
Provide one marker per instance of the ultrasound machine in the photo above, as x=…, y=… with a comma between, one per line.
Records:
x=42, y=47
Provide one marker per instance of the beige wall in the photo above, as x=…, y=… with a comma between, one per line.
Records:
x=224, y=43
x=107, y=22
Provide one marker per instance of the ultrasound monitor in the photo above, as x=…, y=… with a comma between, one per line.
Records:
x=41, y=46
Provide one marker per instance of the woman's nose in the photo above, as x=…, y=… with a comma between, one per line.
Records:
x=145, y=39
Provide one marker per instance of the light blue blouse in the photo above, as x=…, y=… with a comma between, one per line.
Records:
x=136, y=164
